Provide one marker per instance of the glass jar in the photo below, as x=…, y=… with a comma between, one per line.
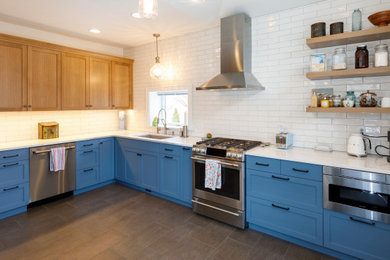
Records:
x=339, y=59
x=325, y=101
x=361, y=57
x=381, y=55
x=337, y=101
x=356, y=20
x=368, y=99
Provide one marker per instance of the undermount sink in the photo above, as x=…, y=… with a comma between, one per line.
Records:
x=154, y=136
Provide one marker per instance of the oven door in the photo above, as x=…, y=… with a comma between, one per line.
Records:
x=361, y=198
x=231, y=193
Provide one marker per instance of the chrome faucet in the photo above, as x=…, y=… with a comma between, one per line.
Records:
x=164, y=121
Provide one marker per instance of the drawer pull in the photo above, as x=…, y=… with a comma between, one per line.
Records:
x=90, y=151
x=361, y=221
x=262, y=164
x=86, y=145
x=139, y=154
x=88, y=170
x=280, y=178
x=168, y=150
x=298, y=170
x=13, y=188
x=10, y=156
x=186, y=149
x=10, y=165
x=280, y=207
x=168, y=157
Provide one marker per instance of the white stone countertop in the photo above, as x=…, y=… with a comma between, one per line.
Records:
x=371, y=163
x=175, y=140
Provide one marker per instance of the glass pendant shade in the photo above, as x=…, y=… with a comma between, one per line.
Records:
x=148, y=8
x=157, y=71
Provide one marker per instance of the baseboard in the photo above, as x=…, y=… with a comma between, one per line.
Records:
x=13, y=212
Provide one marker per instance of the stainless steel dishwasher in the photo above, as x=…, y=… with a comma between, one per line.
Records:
x=43, y=182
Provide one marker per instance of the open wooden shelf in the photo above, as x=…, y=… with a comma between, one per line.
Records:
x=339, y=74
x=348, y=109
x=374, y=34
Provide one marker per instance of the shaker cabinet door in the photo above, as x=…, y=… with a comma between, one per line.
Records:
x=13, y=76
x=75, y=80
x=44, y=79
x=99, y=89
x=122, y=85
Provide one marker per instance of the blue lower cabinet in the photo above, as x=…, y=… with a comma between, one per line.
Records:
x=106, y=159
x=120, y=160
x=87, y=159
x=87, y=177
x=355, y=236
x=299, y=193
x=132, y=166
x=14, y=172
x=282, y=218
x=302, y=170
x=13, y=196
x=149, y=171
x=186, y=175
x=170, y=175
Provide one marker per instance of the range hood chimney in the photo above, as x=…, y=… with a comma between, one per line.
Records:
x=236, y=56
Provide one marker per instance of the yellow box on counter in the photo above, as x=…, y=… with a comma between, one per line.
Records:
x=48, y=130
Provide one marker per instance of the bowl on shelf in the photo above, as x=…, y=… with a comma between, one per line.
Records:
x=380, y=19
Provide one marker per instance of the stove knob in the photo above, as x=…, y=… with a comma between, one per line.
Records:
x=197, y=150
x=239, y=156
x=229, y=154
x=203, y=151
x=193, y=149
x=234, y=155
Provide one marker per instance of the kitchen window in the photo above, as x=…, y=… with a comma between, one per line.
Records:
x=174, y=102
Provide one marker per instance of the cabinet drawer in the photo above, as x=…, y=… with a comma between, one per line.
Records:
x=87, y=145
x=13, y=196
x=302, y=170
x=87, y=177
x=355, y=236
x=14, y=155
x=170, y=149
x=14, y=173
x=263, y=164
x=87, y=159
x=299, y=193
x=294, y=222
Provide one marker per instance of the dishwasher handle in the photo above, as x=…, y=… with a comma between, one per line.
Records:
x=47, y=151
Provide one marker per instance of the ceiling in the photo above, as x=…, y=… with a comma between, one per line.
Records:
x=118, y=28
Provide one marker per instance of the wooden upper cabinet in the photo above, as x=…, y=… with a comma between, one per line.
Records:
x=99, y=89
x=13, y=76
x=122, y=85
x=75, y=81
x=44, y=79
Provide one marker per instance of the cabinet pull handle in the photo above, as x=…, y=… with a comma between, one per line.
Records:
x=186, y=149
x=88, y=170
x=101, y=142
x=86, y=145
x=13, y=188
x=280, y=178
x=262, y=164
x=139, y=154
x=10, y=156
x=89, y=151
x=361, y=221
x=168, y=157
x=168, y=150
x=30, y=106
x=298, y=170
x=148, y=190
x=10, y=165
x=280, y=207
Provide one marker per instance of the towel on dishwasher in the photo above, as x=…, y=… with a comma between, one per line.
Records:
x=57, y=159
x=213, y=178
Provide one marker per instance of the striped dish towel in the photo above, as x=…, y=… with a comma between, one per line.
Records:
x=57, y=159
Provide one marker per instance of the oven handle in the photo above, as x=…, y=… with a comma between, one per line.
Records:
x=236, y=165
x=216, y=208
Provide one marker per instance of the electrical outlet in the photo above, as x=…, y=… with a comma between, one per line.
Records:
x=372, y=130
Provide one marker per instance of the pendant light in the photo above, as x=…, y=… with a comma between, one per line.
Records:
x=157, y=71
x=147, y=9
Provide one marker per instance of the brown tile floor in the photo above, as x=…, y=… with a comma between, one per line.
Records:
x=116, y=222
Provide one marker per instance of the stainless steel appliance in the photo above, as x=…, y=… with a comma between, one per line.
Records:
x=236, y=56
x=43, y=182
x=362, y=194
x=228, y=203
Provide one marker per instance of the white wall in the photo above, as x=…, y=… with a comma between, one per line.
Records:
x=280, y=61
x=15, y=126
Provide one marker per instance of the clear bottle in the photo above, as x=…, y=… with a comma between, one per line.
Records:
x=339, y=59
x=314, y=99
x=356, y=20
x=381, y=55
x=337, y=101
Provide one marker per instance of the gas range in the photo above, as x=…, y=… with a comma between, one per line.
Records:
x=225, y=148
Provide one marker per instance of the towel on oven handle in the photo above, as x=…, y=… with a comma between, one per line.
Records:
x=213, y=178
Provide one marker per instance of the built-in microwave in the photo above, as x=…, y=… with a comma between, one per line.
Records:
x=358, y=193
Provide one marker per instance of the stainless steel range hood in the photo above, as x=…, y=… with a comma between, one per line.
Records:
x=236, y=56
